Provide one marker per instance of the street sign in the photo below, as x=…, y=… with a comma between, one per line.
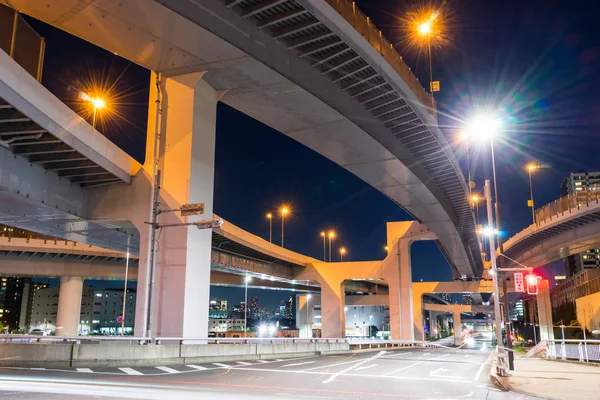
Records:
x=192, y=209
x=519, y=282
x=529, y=203
x=119, y=319
x=435, y=86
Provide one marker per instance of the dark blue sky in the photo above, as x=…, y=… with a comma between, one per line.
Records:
x=537, y=61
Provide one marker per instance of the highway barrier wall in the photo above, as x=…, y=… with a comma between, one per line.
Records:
x=120, y=354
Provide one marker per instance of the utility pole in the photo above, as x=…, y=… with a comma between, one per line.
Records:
x=499, y=346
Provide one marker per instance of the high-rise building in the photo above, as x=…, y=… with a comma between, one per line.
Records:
x=223, y=306
x=254, y=308
x=447, y=297
x=11, y=296
x=289, y=308
x=467, y=300
x=517, y=312
x=581, y=185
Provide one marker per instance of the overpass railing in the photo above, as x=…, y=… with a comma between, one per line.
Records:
x=567, y=204
x=365, y=27
x=21, y=42
x=569, y=349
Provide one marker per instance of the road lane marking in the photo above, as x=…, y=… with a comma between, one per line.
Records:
x=415, y=364
x=334, y=376
x=399, y=354
x=196, y=367
x=169, y=370
x=334, y=365
x=130, y=371
x=467, y=355
x=296, y=364
x=367, y=367
x=222, y=365
x=38, y=369
x=478, y=374
x=244, y=363
x=84, y=370
x=263, y=361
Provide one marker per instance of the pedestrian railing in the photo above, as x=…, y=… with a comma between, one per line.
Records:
x=567, y=204
x=569, y=349
x=363, y=25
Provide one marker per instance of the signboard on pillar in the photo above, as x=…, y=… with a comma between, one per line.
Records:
x=519, y=282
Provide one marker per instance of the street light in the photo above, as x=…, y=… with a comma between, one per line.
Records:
x=284, y=212
x=481, y=128
x=246, y=280
x=307, y=317
x=342, y=252
x=324, y=236
x=270, y=218
x=530, y=169
x=331, y=235
x=97, y=102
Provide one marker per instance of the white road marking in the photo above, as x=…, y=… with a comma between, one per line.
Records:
x=38, y=369
x=437, y=371
x=334, y=365
x=130, y=371
x=467, y=355
x=169, y=370
x=84, y=370
x=407, y=378
x=262, y=361
x=296, y=364
x=417, y=363
x=197, y=367
x=244, y=363
x=366, y=360
x=399, y=354
x=367, y=367
x=222, y=365
x=478, y=374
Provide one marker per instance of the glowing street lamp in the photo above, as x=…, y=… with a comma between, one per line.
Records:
x=284, y=211
x=97, y=102
x=331, y=236
x=342, y=253
x=324, y=236
x=530, y=169
x=270, y=218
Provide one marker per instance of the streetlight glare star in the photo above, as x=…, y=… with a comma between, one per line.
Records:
x=483, y=127
x=425, y=28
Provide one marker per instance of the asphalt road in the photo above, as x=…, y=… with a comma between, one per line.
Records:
x=393, y=374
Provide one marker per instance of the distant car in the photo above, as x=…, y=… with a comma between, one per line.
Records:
x=37, y=332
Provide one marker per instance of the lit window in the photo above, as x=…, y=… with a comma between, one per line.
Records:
x=98, y=294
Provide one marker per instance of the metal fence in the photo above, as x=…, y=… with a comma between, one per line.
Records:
x=21, y=42
x=567, y=203
x=580, y=350
x=365, y=27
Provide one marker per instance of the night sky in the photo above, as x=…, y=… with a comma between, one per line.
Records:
x=535, y=61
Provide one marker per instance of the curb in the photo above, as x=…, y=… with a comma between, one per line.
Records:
x=501, y=382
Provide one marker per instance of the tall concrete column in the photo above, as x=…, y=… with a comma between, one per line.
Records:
x=304, y=314
x=186, y=152
x=545, y=311
x=399, y=278
x=69, y=305
x=457, y=327
x=333, y=317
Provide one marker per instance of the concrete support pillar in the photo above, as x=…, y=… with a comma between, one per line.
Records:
x=545, y=311
x=305, y=305
x=399, y=278
x=457, y=328
x=333, y=317
x=69, y=305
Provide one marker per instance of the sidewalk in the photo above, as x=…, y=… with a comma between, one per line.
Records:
x=555, y=379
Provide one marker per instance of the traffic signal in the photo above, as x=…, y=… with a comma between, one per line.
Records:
x=532, y=284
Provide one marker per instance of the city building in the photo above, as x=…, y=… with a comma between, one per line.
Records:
x=254, y=308
x=359, y=319
x=289, y=308
x=467, y=300
x=226, y=325
x=98, y=315
x=11, y=296
x=564, y=296
x=517, y=310
x=581, y=185
x=447, y=297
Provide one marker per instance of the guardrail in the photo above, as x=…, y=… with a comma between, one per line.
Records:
x=374, y=36
x=21, y=42
x=569, y=349
x=567, y=203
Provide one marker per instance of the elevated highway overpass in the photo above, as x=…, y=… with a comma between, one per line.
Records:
x=317, y=71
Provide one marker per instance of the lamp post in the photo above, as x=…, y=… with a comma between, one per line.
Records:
x=97, y=102
x=331, y=235
x=246, y=280
x=425, y=29
x=307, y=317
x=324, y=236
x=530, y=169
x=284, y=212
x=342, y=252
x=270, y=218
x=485, y=127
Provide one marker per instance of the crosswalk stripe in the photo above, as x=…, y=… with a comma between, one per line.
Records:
x=84, y=370
x=169, y=370
x=130, y=371
x=198, y=367
x=222, y=365
x=244, y=363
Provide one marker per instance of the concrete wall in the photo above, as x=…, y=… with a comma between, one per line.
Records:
x=588, y=311
x=68, y=354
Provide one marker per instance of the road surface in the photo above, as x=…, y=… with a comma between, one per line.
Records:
x=392, y=374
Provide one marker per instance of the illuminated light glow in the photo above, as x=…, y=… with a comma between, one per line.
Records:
x=247, y=278
x=99, y=103
x=425, y=28
x=332, y=234
x=475, y=198
x=532, y=167
x=269, y=215
x=285, y=210
x=484, y=127
x=488, y=231
x=343, y=250
x=322, y=234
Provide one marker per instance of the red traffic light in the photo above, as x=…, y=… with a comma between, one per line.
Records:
x=532, y=283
